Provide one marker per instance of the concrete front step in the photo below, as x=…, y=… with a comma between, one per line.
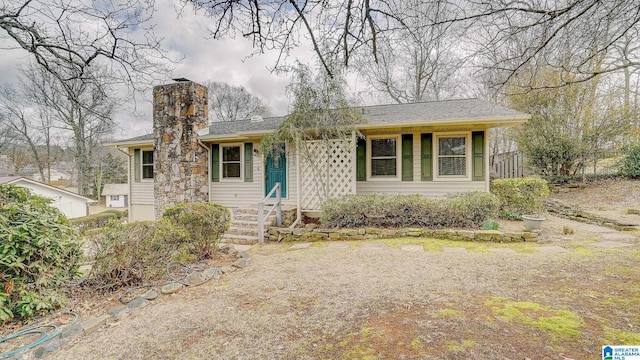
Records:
x=250, y=211
x=240, y=230
x=249, y=223
x=253, y=218
x=239, y=239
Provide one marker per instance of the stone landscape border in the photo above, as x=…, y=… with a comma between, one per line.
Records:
x=90, y=325
x=565, y=211
x=304, y=234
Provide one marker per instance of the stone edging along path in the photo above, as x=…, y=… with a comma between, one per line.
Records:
x=90, y=325
x=300, y=234
x=565, y=211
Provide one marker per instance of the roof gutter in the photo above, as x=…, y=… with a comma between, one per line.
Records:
x=454, y=122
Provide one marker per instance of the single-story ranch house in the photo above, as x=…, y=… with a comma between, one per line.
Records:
x=429, y=148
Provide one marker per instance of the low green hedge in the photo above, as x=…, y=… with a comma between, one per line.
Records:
x=520, y=196
x=463, y=210
x=98, y=220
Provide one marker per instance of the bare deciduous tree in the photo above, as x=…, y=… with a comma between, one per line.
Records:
x=30, y=127
x=341, y=29
x=67, y=38
x=418, y=63
x=44, y=109
x=231, y=103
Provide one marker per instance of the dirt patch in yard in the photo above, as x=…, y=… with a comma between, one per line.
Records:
x=364, y=303
x=610, y=198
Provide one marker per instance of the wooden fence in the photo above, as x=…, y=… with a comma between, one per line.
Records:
x=507, y=165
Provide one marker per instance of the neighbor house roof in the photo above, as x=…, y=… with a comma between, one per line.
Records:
x=431, y=113
x=115, y=189
x=15, y=180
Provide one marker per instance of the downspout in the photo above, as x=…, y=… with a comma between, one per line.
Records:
x=208, y=166
x=203, y=145
x=298, y=200
x=128, y=179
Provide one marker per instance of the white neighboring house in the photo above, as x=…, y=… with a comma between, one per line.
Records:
x=72, y=205
x=116, y=195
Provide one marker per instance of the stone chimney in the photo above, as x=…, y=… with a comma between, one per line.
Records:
x=180, y=161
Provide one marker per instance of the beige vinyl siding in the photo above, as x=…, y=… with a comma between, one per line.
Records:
x=426, y=188
x=138, y=212
x=248, y=194
x=141, y=191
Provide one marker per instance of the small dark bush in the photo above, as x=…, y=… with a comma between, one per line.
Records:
x=39, y=251
x=458, y=211
x=520, y=196
x=630, y=165
x=205, y=222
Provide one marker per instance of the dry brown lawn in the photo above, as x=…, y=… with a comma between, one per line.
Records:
x=363, y=303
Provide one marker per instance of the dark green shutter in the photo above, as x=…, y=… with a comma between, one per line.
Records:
x=426, y=157
x=248, y=162
x=407, y=157
x=137, y=158
x=477, y=138
x=361, y=160
x=215, y=162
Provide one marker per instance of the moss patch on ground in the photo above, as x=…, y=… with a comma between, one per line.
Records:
x=560, y=324
x=619, y=337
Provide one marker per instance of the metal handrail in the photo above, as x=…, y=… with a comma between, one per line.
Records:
x=277, y=206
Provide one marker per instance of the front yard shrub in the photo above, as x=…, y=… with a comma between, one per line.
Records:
x=138, y=252
x=520, y=196
x=461, y=210
x=630, y=165
x=39, y=251
x=204, y=221
x=134, y=253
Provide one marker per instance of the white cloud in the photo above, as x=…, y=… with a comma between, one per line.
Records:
x=204, y=59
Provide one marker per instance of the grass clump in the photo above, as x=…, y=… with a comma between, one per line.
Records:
x=462, y=210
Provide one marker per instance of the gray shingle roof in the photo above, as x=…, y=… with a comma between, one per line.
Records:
x=441, y=112
x=115, y=189
x=432, y=111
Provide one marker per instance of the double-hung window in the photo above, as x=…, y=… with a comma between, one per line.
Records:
x=147, y=164
x=231, y=162
x=452, y=156
x=384, y=157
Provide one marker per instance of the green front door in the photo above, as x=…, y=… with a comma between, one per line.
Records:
x=275, y=170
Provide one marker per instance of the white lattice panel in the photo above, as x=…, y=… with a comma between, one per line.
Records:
x=328, y=172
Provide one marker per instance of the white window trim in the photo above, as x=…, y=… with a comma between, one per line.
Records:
x=398, y=176
x=436, y=158
x=142, y=165
x=235, y=179
x=114, y=198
